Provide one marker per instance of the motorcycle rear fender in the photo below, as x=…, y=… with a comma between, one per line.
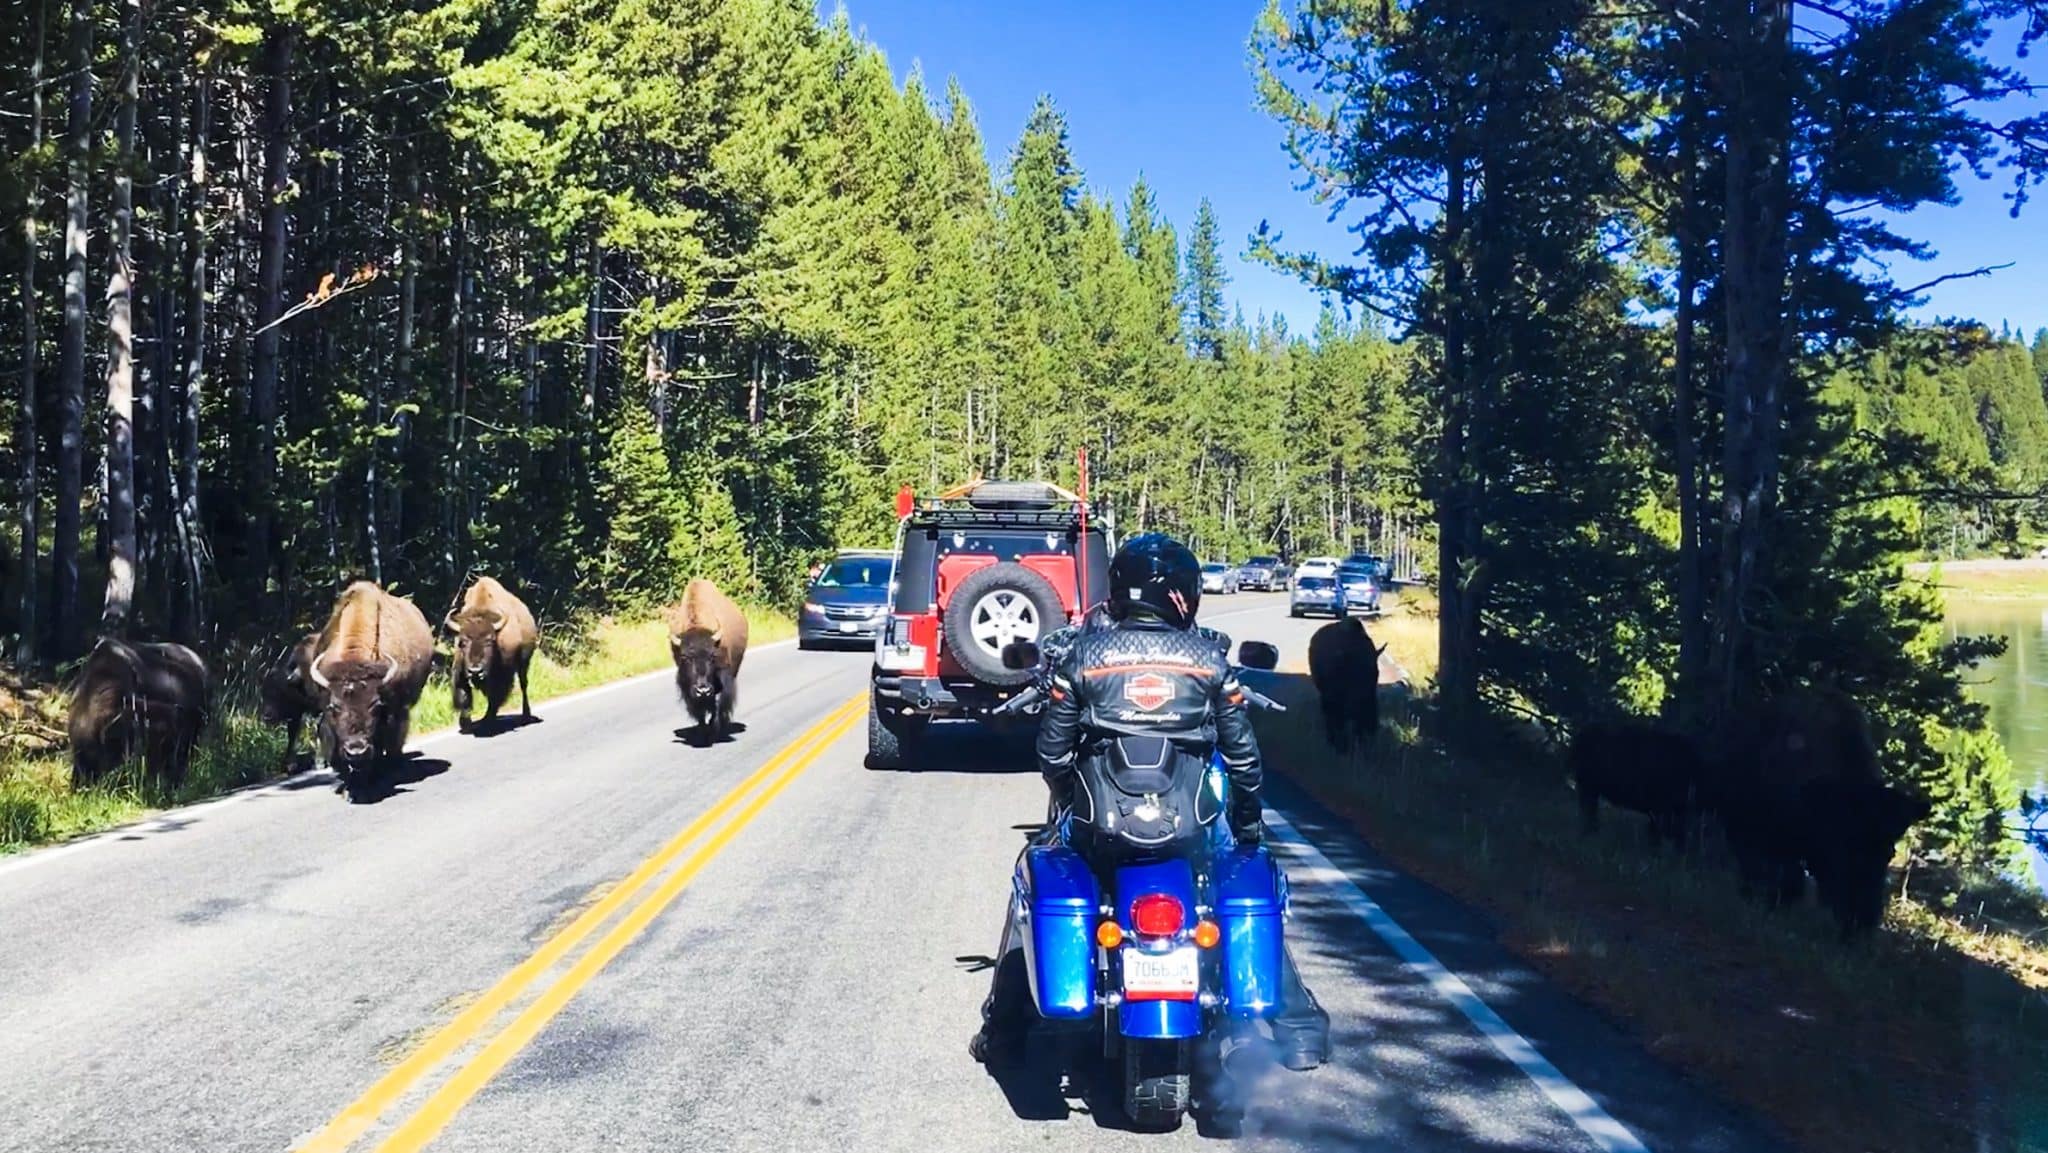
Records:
x=1055, y=906
x=1157, y=1020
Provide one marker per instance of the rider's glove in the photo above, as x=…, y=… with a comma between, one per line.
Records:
x=1247, y=823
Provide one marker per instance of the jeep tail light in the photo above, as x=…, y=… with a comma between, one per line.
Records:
x=1157, y=915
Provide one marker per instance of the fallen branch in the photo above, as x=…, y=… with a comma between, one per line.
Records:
x=328, y=291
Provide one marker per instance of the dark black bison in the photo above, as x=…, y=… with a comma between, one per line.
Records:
x=1345, y=666
x=1638, y=766
x=374, y=657
x=288, y=693
x=707, y=636
x=1799, y=791
x=495, y=638
x=151, y=697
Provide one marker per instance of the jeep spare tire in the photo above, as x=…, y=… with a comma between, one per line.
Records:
x=993, y=607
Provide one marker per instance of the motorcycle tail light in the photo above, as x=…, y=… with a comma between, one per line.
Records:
x=1157, y=915
x=1207, y=934
x=1109, y=934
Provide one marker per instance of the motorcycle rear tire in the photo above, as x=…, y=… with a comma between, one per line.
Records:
x=1156, y=1084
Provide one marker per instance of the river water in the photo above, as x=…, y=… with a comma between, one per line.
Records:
x=2016, y=684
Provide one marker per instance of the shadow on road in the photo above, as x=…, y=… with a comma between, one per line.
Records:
x=485, y=729
x=413, y=768
x=699, y=736
x=972, y=747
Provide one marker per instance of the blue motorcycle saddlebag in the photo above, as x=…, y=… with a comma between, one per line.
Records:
x=1251, y=901
x=1059, y=901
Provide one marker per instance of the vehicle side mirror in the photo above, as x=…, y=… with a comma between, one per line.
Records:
x=1020, y=655
x=1258, y=655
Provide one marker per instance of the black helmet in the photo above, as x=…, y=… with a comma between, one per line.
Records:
x=1155, y=576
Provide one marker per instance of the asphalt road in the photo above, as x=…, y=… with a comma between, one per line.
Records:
x=588, y=934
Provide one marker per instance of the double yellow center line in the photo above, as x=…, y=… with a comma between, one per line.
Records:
x=426, y=1122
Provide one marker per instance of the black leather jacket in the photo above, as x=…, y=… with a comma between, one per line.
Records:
x=1141, y=678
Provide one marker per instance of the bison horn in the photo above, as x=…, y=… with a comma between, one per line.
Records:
x=717, y=634
x=448, y=622
x=319, y=678
x=390, y=669
x=497, y=622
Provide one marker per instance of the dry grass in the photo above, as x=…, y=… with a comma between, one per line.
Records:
x=1930, y=1037
x=1986, y=579
x=1408, y=629
x=38, y=805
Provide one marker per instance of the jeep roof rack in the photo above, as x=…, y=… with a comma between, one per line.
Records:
x=997, y=503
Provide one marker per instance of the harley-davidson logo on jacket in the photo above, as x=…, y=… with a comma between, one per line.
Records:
x=1148, y=691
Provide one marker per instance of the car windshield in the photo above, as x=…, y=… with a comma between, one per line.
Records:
x=851, y=572
x=1215, y=568
x=1355, y=573
x=1315, y=582
x=1264, y=561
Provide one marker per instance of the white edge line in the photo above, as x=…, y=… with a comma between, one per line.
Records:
x=168, y=819
x=1576, y=1104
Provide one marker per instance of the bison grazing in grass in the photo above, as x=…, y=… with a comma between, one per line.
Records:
x=374, y=657
x=1345, y=667
x=288, y=693
x=155, y=696
x=495, y=639
x=1799, y=791
x=1636, y=766
x=707, y=636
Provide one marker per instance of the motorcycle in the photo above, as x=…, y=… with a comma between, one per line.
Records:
x=1174, y=947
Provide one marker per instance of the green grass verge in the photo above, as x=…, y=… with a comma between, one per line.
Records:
x=1933, y=1036
x=38, y=806
x=1987, y=579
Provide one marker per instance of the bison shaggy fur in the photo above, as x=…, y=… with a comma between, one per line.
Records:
x=707, y=636
x=1638, y=766
x=288, y=694
x=1345, y=667
x=495, y=639
x=155, y=697
x=374, y=658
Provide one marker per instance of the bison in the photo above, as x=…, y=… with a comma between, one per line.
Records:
x=288, y=693
x=1345, y=666
x=156, y=696
x=1639, y=766
x=1799, y=792
x=495, y=638
x=707, y=636
x=374, y=657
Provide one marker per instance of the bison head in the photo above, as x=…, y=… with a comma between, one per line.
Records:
x=355, y=708
x=476, y=640
x=700, y=666
x=1852, y=830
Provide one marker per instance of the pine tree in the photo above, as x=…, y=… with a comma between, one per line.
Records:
x=1203, y=280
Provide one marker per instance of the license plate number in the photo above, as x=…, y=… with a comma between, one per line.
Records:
x=849, y=626
x=1175, y=976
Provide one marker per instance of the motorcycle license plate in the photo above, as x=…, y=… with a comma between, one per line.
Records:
x=1174, y=976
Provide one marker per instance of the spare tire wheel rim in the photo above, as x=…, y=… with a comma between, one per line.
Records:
x=1001, y=617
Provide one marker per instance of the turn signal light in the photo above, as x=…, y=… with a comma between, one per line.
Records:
x=1157, y=915
x=1207, y=934
x=1109, y=934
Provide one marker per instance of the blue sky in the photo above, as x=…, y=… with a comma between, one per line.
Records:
x=1162, y=89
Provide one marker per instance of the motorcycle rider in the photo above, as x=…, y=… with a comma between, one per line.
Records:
x=1146, y=627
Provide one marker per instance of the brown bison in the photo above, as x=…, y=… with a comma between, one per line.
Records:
x=1799, y=791
x=155, y=696
x=707, y=636
x=1639, y=766
x=375, y=654
x=288, y=694
x=495, y=639
x=1345, y=666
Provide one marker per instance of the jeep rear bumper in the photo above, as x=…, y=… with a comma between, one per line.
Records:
x=937, y=697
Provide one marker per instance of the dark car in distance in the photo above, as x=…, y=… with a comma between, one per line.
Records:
x=848, y=601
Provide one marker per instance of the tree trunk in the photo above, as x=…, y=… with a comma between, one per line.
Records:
x=71, y=368
x=278, y=43
x=1692, y=619
x=591, y=331
x=191, y=610
x=120, y=596
x=1457, y=680
x=451, y=496
x=31, y=520
x=1753, y=285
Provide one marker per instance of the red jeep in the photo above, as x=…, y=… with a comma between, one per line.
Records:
x=977, y=567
